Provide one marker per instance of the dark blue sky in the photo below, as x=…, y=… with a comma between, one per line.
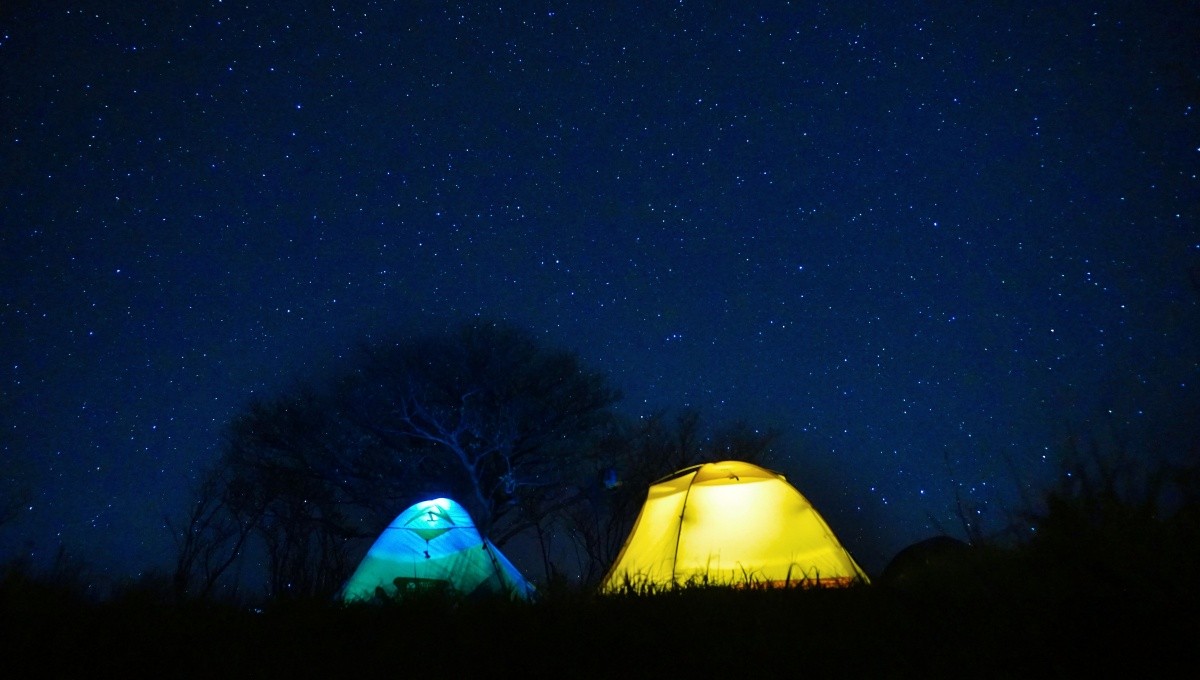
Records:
x=927, y=239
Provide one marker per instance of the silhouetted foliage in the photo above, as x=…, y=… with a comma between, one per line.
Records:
x=284, y=478
x=211, y=537
x=1118, y=519
x=484, y=412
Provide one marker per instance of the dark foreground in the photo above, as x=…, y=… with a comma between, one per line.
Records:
x=996, y=626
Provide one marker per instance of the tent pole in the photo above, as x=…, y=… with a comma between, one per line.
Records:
x=679, y=532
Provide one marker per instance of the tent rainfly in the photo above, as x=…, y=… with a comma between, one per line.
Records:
x=729, y=523
x=434, y=545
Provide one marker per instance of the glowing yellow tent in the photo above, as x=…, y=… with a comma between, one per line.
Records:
x=729, y=523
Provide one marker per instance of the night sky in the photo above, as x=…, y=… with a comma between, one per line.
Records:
x=927, y=239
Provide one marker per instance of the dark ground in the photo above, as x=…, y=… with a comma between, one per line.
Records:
x=1001, y=623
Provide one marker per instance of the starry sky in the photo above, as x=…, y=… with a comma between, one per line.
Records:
x=928, y=240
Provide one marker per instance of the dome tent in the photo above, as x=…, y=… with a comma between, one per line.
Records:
x=434, y=545
x=729, y=523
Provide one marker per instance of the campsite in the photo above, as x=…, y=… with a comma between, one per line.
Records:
x=564, y=339
x=1099, y=592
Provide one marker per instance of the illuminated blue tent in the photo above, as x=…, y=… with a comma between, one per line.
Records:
x=434, y=545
